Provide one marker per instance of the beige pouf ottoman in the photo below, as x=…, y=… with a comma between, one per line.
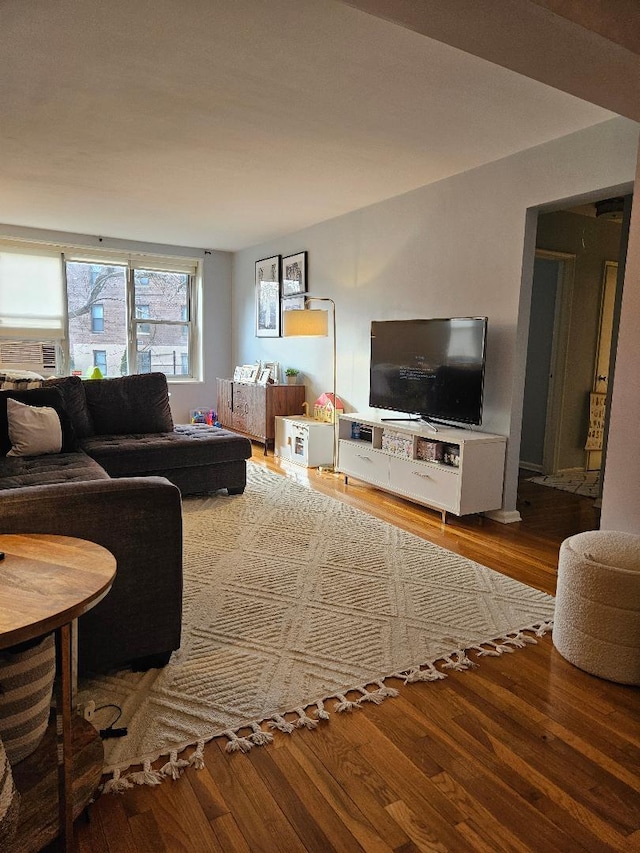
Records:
x=597, y=614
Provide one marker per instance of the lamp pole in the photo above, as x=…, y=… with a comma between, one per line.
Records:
x=307, y=301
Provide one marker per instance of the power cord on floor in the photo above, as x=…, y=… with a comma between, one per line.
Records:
x=111, y=732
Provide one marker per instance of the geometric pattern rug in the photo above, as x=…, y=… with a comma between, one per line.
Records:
x=585, y=483
x=295, y=606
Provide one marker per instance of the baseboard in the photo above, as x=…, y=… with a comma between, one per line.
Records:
x=504, y=516
x=530, y=467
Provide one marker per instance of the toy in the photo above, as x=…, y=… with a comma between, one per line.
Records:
x=324, y=408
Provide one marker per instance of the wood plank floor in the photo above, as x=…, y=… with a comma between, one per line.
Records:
x=526, y=753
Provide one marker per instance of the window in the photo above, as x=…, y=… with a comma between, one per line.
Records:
x=143, y=313
x=144, y=361
x=97, y=317
x=143, y=307
x=100, y=360
x=150, y=314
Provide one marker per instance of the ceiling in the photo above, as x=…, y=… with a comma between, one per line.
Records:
x=225, y=124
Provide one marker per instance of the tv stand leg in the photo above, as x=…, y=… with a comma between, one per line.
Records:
x=443, y=513
x=346, y=480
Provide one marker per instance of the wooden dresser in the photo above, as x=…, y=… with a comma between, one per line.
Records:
x=251, y=409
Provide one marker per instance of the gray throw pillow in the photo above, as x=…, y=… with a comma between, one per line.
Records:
x=75, y=402
x=129, y=404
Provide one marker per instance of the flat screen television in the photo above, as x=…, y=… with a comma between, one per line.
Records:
x=430, y=368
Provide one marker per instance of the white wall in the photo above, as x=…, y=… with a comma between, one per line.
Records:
x=451, y=248
x=621, y=495
x=215, y=307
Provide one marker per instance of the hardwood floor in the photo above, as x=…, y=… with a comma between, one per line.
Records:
x=526, y=753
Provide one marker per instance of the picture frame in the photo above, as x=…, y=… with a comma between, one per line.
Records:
x=237, y=374
x=294, y=303
x=294, y=274
x=267, y=284
x=253, y=374
x=274, y=371
x=264, y=376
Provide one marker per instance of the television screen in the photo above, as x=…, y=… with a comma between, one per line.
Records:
x=431, y=368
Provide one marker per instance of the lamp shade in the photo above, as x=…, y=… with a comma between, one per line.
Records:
x=305, y=323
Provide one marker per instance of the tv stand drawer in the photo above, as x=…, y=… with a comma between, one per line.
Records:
x=435, y=486
x=362, y=461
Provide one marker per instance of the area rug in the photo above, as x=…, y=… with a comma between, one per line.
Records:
x=586, y=483
x=297, y=605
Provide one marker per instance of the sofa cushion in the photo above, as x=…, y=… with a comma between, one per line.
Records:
x=129, y=404
x=33, y=430
x=18, y=471
x=50, y=397
x=75, y=401
x=187, y=446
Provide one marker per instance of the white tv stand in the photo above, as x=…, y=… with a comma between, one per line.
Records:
x=386, y=454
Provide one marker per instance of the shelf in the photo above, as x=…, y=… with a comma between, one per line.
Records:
x=36, y=778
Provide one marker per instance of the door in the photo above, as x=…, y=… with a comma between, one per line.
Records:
x=546, y=356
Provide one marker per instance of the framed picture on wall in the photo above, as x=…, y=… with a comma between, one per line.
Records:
x=268, y=297
x=294, y=274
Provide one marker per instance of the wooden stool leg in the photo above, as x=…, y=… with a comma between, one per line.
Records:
x=63, y=730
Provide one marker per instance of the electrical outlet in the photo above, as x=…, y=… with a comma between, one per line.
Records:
x=89, y=710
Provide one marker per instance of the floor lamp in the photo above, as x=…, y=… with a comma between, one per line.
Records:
x=300, y=323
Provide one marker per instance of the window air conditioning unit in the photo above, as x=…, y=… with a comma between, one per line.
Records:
x=38, y=356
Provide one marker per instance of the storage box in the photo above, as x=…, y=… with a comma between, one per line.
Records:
x=397, y=444
x=429, y=451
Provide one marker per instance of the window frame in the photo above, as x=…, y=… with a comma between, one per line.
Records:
x=190, y=267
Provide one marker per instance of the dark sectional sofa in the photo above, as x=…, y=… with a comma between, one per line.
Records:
x=118, y=481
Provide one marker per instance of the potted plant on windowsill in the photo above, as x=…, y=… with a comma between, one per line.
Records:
x=292, y=375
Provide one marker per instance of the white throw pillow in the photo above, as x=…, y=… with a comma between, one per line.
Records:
x=33, y=430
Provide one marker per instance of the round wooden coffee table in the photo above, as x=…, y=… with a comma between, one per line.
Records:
x=45, y=583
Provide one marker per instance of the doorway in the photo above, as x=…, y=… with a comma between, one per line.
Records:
x=577, y=254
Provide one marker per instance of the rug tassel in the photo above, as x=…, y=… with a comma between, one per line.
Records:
x=117, y=785
x=174, y=766
x=461, y=663
x=377, y=696
x=387, y=692
x=260, y=738
x=237, y=744
x=542, y=628
x=320, y=713
x=428, y=674
x=281, y=724
x=304, y=721
x=146, y=776
x=519, y=640
x=345, y=704
x=197, y=758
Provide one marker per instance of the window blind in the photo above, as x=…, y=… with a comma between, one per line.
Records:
x=32, y=303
